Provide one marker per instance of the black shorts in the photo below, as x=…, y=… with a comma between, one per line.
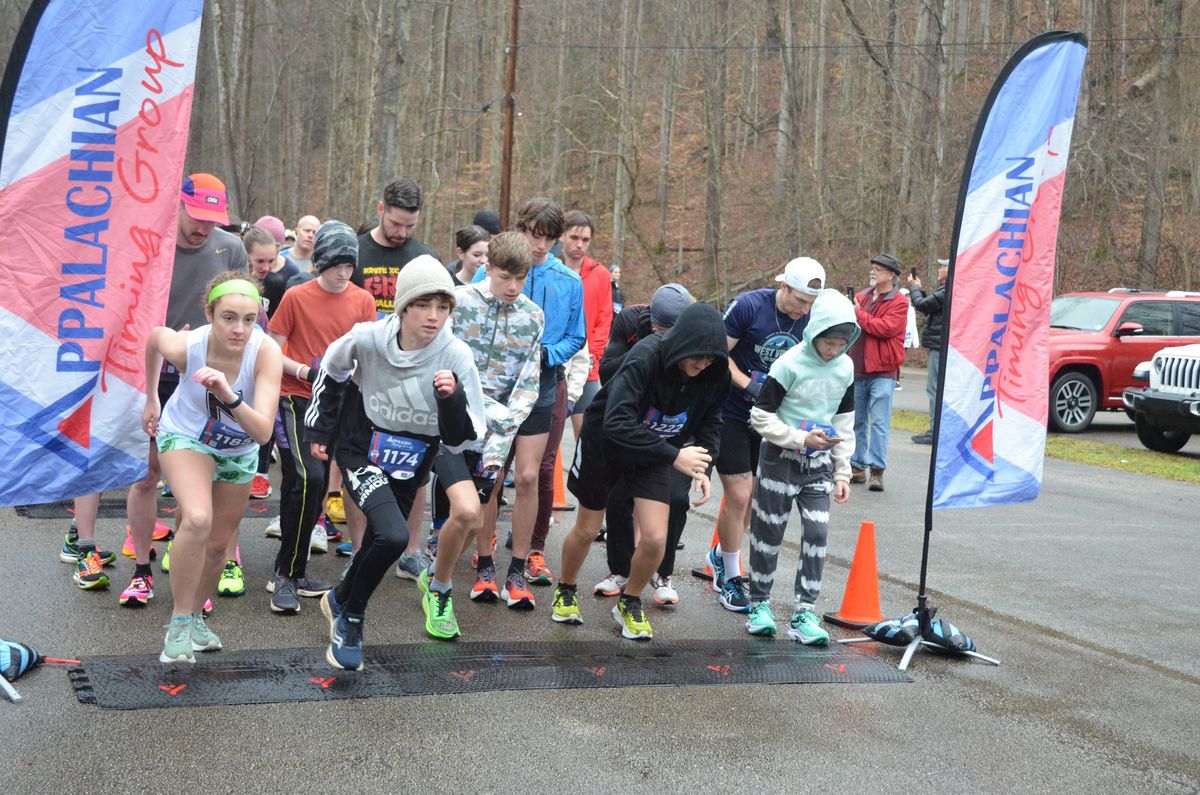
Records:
x=590, y=390
x=739, y=448
x=593, y=477
x=537, y=422
x=452, y=468
x=166, y=388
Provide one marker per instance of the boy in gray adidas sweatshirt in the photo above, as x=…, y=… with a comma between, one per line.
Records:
x=386, y=395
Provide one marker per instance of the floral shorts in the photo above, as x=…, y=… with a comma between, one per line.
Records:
x=230, y=469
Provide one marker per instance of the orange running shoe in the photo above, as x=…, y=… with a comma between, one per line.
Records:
x=516, y=594
x=485, y=588
x=535, y=569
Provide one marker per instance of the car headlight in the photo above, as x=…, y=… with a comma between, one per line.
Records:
x=1158, y=365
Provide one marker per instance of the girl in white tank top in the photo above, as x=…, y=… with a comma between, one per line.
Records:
x=208, y=436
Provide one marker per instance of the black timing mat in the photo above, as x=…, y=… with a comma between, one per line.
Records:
x=115, y=508
x=263, y=676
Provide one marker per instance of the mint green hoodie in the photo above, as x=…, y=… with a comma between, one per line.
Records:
x=809, y=390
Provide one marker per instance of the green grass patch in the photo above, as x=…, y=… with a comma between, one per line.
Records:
x=1083, y=451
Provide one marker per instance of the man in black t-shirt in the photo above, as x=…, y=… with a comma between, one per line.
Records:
x=386, y=249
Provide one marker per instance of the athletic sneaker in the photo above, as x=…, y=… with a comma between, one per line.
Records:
x=760, y=621
x=409, y=567
x=72, y=551
x=440, y=622
x=306, y=586
x=733, y=595
x=208, y=608
x=632, y=618
x=475, y=555
x=177, y=647
x=273, y=530
x=345, y=549
x=284, y=598
x=166, y=561
x=331, y=609
x=139, y=592
x=335, y=508
x=166, y=489
x=535, y=569
x=565, y=609
x=485, y=588
x=318, y=541
x=332, y=534
x=89, y=572
x=260, y=487
x=717, y=566
x=203, y=638
x=664, y=592
x=806, y=628
x=233, y=580
x=612, y=585
x=517, y=594
x=345, y=644
x=423, y=581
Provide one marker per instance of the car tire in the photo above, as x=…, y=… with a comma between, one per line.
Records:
x=1073, y=402
x=1157, y=439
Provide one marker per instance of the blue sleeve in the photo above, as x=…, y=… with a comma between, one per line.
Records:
x=480, y=274
x=739, y=316
x=574, y=333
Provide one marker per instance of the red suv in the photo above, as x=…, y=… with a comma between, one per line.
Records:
x=1096, y=339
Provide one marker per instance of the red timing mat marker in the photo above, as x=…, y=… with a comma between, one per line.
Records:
x=464, y=675
x=597, y=671
x=57, y=661
x=172, y=689
x=841, y=669
x=324, y=683
x=723, y=670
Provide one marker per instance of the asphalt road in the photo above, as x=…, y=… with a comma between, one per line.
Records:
x=1082, y=594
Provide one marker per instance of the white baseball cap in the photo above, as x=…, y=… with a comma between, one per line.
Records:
x=800, y=271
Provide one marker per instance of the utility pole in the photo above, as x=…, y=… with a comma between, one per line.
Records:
x=510, y=89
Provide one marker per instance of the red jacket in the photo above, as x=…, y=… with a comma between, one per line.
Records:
x=880, y=348
x=597, y=310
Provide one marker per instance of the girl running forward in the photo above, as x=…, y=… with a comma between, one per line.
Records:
x=208, y=436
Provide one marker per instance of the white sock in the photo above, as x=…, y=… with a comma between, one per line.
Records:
x=733, y=566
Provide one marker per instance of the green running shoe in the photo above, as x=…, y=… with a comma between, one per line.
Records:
x=423, y=581
x=566, y=606
x=760, y=621
x=203, y=638
x=806, y=628
x=178, y=645
x=440, y=622
x=233, y=580
x=632, y=618
x=89, y=572
x=166, y=561
x=72, y=551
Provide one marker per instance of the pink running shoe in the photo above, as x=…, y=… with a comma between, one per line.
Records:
x=207, y=608
x=138, y=593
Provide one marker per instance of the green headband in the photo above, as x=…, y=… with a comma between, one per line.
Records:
x=234, y=287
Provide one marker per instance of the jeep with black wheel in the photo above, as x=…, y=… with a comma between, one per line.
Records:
x=1167, y=412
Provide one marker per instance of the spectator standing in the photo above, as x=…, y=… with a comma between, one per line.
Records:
x=931, y=305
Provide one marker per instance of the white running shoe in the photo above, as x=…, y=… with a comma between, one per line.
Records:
x=612, y=585
x=320, y=540
x=664, y=593
x=273, y=530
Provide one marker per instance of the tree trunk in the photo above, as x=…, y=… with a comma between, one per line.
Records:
x=1166, y=107
x=714, y=123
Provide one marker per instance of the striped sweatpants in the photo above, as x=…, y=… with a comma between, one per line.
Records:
x=785, y=477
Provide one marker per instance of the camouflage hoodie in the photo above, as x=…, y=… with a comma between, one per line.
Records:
x=506, y=340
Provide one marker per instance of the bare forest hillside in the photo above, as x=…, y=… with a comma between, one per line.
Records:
x=712, y=140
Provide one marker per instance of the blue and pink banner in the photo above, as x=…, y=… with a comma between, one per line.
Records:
x=94, y=113
x=991, y=429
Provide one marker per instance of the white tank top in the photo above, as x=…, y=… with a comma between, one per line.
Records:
x=195, y=412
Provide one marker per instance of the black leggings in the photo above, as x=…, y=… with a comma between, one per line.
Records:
x=619, y=518
x=302, y=492
x=386, y=502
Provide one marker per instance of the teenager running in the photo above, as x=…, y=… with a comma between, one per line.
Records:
x=208, y=435
x=668, y=390
x=310, y=317
x=504, y=330
x=390, y=391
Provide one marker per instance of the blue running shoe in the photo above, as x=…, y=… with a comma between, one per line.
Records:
x=733, y=595
x=717, y=567
x=331, y=609
x=345, y=647
x=345, y=549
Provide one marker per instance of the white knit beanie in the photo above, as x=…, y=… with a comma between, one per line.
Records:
x=422, y=275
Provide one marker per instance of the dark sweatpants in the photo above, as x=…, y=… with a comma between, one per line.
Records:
x=302, y=491
x=619, y=517
x=385, y=501
x=558, y=420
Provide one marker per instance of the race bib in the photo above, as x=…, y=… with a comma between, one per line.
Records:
x=757, y=377
x=664, y=426
x=809, y=425
x=398, y=456
x=222, y=436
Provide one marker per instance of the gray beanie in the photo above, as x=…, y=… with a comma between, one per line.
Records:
x=668, y=302
x=336, y=243
x=422, y=275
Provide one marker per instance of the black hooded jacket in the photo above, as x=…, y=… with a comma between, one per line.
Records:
x=636, y=412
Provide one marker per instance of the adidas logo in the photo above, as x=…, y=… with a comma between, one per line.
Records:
x=404, y=403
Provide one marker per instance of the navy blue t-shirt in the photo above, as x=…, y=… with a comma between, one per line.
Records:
x=763, y=334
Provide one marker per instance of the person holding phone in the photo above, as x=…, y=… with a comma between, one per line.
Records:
x=805, y=415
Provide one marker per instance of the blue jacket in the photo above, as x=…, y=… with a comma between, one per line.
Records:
x=559, y=292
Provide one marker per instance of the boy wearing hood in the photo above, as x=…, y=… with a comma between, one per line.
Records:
x=805, y=415
x=669, y=389
x=390, y=391
x=503, y=329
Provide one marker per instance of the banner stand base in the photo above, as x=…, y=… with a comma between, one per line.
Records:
x=911, y=649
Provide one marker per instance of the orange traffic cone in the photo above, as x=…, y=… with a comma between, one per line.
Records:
x=560, y=491
x=704, y=572
x=860, y=605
